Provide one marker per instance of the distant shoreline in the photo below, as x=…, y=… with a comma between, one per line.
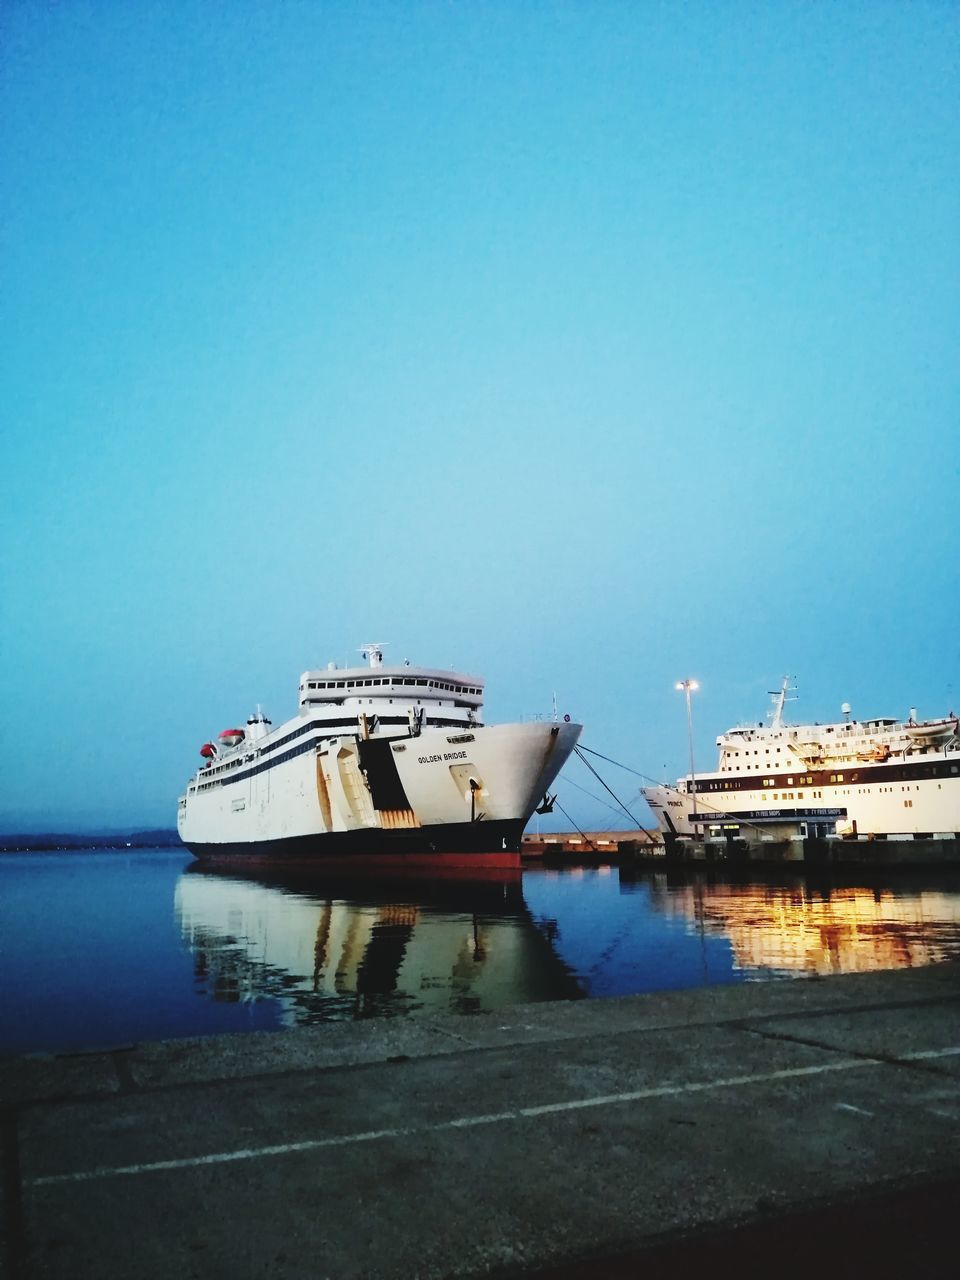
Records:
x=66, y=841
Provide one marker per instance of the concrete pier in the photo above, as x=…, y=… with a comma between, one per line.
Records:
x=649, y=847
x=617, y=1137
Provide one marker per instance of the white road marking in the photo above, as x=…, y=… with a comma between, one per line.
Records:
x=465, y=1122
x=857, y=1111
x=928, y=1053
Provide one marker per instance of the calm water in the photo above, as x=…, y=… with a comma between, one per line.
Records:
x=107, y=948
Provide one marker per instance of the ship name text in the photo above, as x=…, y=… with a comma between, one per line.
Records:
x=447, y=755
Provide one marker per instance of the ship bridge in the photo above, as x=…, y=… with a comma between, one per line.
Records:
x=376, y=683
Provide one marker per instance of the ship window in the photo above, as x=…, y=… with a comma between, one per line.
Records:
x=339, y=684
x=789, y=782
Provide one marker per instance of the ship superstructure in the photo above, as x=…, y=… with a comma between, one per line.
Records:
x=381, y=761
x=874, y=777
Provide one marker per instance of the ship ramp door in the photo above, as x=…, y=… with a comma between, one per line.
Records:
x=380, y=768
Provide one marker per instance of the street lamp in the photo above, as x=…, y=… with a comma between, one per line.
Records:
x=688, y=686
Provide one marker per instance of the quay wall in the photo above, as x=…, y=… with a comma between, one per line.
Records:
x=649, y=847
x=633, y=1136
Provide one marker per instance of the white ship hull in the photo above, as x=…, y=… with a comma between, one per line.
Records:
x=887, y=806
x=439, y=792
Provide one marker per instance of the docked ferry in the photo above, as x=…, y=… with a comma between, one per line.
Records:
x=391, y=765
x=853, y=778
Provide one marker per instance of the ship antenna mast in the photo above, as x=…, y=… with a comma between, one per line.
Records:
x=373, y=653
x=780, y=699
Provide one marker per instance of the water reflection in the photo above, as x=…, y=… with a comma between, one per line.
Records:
x=322, y=949
x=335, y=948
x=817, y=927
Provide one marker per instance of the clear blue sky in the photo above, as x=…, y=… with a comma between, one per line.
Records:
x=581, y=346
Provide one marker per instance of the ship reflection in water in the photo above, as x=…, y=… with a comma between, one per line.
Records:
x=801, y=929
x=333, y=948
x=325, y=949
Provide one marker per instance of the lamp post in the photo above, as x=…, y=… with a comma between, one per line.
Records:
x=688, y=686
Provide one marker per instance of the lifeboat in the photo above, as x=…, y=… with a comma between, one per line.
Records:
x=208, y=751
x=232, y=737
x=932, y=731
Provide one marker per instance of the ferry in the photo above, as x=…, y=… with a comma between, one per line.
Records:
x=382, y=766
x=853, y=778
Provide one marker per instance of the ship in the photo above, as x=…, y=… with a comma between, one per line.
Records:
x=383, y=766
x=853, y=779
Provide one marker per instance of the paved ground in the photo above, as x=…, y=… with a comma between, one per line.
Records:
x=794, y=1124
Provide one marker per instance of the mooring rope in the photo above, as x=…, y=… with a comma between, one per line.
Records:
x=575, y=827
x=584, y=760
x=701, y=803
